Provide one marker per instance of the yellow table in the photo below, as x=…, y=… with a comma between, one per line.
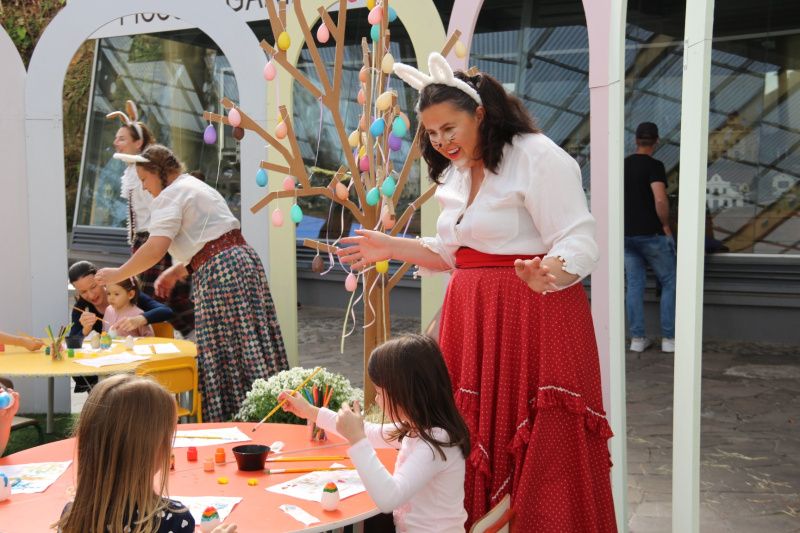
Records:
x=18, y=361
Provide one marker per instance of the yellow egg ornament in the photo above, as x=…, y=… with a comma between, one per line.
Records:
x=387, y=63
x=460, y=49
x=384, y=101
x=353, y=139
x=284, y=42
x=370, y=4
x=382, y=267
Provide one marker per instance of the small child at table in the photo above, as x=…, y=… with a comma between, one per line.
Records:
x=413, y=390
x=124, y=443
x=122, y=299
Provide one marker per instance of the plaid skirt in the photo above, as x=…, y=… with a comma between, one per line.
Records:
x=238, y=336
x=526, y=378
x=180, y=301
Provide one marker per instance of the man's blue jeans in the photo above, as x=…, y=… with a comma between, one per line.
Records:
x=658, y=251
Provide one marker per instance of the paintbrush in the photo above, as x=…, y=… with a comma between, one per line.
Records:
x=284, y=459
x=281, y=404
x=75, y=307
x=305, y=470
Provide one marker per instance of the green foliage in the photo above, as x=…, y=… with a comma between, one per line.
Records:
x=263, y=397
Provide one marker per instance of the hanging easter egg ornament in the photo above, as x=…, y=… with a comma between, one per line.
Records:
x=363, y=164
x=384, y=101
x=388, y=187
x=382, y=267
x=280, y=130
x=361, y=97
x=392, y=16
x=323, y=34
x=261, y=177
x=296, y=213
x=387, y=217
x=351, y=282
x=377, y=127
x=375, y=32
x=375, y=15
x=288, y=183
x=460, y=49
x=269, y=71
x=362, y=75
x=387, y=63
x=277, y=218
x=370, y=4
x=210, y=134
x=373, y=196
x=341, y=191
x=395, y=142
x=317, y=264
x=353, y=139
x=234, y=117
x=399, y=127
x=238, y=133
x=284, y=42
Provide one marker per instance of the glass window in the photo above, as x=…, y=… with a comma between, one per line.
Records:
x=172, y=77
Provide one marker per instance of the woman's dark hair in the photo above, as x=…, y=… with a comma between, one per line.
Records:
x=81, y=269
x=130, y=284
x=161, y=162
x=147, y=136
x=505, y=117
x=411, y=371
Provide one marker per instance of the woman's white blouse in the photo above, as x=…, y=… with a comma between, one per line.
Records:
x=190, y=213
x=140, y=199
x=533, y=205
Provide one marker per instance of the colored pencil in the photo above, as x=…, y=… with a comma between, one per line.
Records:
x=305, y=470
x=284, y=459
x=281, y=404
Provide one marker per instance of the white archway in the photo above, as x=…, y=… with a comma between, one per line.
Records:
x=44, y=129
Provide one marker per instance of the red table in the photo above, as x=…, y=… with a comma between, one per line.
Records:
x=258, y=510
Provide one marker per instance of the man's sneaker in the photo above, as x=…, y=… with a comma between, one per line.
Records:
x=640, y=344
x=667, y=345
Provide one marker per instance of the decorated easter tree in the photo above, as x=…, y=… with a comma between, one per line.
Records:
x=368, y=186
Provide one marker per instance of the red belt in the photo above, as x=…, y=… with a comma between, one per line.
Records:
x=469, y=258
x=212, y=248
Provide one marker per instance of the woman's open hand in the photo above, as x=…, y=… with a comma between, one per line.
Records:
x=105, y=276
x=368, y=247
x=536, y=275
x=350, y=423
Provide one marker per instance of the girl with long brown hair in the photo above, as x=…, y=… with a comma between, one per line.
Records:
x=426, y=491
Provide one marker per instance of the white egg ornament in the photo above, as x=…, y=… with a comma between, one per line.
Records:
x=210, y=519
x=330, y=497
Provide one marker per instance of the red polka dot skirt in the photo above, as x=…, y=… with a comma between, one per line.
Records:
x=526, y=377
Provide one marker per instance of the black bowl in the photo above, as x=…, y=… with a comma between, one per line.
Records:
x=250, y=457
x=75, y=341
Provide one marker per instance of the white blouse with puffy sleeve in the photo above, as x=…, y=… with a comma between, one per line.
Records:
x=534, y=204
x=190, y=213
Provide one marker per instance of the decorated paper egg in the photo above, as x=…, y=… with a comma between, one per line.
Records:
x=399, y=127
x=280, y=130
x=317, y=264
x=210, y=134
x=284, y=41
x=384, y=101
x=269, y=71
x=395, y=142
x=288, y=183
x=363, y=163
x=277, y=218
x=238, y=133
x=330, y=497
x=375, y=32
x=388, y=187
x=351, y=282
x=209, y=520
x=341, y=191
x=377, y=127
x=373, y=196
x=382, y=267
x=296, y=213
x=460, y=49
x=261, y=177
x=234, y=117
x=375, y=15
x=353, y=139
x=387, y=63
x=323, y=34
x=361, y=98
x=362, y=75
x=387, y=218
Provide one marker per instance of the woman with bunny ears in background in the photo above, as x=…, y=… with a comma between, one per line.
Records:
x=516, y=330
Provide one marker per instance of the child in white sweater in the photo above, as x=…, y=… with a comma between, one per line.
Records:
x=426, y=491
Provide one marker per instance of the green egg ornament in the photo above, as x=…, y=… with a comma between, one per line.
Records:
x=399, y=127
x=388, y=187
x=375, y=32
x=296, y=213
x=373, y=196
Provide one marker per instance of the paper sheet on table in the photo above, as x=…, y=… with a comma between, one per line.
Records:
x=113, y=359
x=208, y=437
x=309, y=486
x=33, y=477
x=198, y=504
x=150, y=349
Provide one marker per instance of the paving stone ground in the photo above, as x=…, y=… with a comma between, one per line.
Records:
x=750, y=460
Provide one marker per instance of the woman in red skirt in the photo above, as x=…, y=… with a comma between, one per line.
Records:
x=516, y=329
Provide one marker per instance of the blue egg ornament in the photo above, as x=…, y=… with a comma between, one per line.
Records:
x=261, y=177
x=373, y=196
x=377, y=127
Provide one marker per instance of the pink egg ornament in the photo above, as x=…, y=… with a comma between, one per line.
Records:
x=288, y=183
x=323, y=34
x=277, y=218
x=234, y=117
x=269, y=71
x=351, y=283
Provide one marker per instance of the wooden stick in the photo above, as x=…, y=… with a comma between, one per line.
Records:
x=75, y=307
x=284, y=459
x=322, y=247
x=416, y=204
x=305, y=470
x=281, y=404
x=323, y=191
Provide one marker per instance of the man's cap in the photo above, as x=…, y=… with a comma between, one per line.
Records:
x=647, y=130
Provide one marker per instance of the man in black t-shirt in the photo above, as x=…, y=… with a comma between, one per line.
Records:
x=648, y=239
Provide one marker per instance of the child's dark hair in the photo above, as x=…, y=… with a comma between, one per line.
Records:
x=411, y=371
x=505, y=117
x=130, y=284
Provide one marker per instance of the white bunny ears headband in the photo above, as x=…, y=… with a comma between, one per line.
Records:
x=130, y=119
x=130, y=158
x=440, y=72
